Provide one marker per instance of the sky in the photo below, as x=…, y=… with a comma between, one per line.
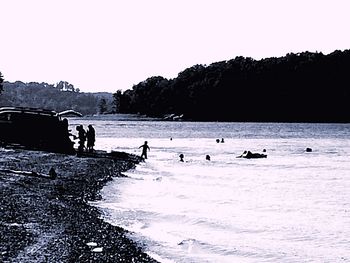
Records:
x=107, y=45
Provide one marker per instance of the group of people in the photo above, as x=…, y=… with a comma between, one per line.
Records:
x=89, y=136
x=146, y=148
x=84, y=136
x=207, y=157
x=245, y=154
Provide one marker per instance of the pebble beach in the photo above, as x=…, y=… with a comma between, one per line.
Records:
x=49, y=219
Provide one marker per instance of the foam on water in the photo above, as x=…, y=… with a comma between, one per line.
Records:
x=290, y=207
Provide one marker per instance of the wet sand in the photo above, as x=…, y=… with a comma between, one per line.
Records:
x=49, y=220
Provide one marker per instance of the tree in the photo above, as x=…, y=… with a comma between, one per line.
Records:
x=303, y=87
x=102, y=106
x=1, y=82
x=66, y=86
x=117, y=98
x=48, y=96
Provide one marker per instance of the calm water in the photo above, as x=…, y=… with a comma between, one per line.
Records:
x=290, y=207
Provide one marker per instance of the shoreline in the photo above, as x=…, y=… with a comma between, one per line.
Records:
x=50, y=220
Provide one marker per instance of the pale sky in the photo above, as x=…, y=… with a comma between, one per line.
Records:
x=106, y=45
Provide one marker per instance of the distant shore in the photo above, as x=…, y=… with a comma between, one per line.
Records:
x=45, y=219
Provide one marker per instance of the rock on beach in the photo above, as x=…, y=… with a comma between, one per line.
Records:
x=45, y=219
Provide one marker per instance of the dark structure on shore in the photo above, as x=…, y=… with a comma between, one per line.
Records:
x=35, y=129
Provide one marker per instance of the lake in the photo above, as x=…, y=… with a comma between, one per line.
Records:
x=293, y=206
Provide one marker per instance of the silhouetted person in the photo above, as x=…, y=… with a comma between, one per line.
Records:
x=144, y=147
x=207, y=157
x=308, y=150
x=62, y=141
x=64, y=126
x=242, y=155
x=90, y=136
x=217, y=140
x=52, y=173
x=81, y=137
x=222, y=140
x=181, y=157
x=250, y=155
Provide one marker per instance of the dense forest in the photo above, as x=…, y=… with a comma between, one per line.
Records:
x=302, y=87
x=58, y=97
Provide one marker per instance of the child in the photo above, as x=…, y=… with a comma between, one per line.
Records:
x=144, y=150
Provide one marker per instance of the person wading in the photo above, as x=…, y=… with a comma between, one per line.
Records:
x=144, y=147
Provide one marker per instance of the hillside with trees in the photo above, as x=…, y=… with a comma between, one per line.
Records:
x=302, y=87
x=58, y=97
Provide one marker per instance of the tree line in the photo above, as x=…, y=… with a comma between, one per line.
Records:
x=58, y=97
x=302, y=87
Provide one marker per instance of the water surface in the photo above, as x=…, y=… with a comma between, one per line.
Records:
x=292, y=206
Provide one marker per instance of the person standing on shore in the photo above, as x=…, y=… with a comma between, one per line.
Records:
x=144, y=147
x=90, y=136
x=82, y=138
